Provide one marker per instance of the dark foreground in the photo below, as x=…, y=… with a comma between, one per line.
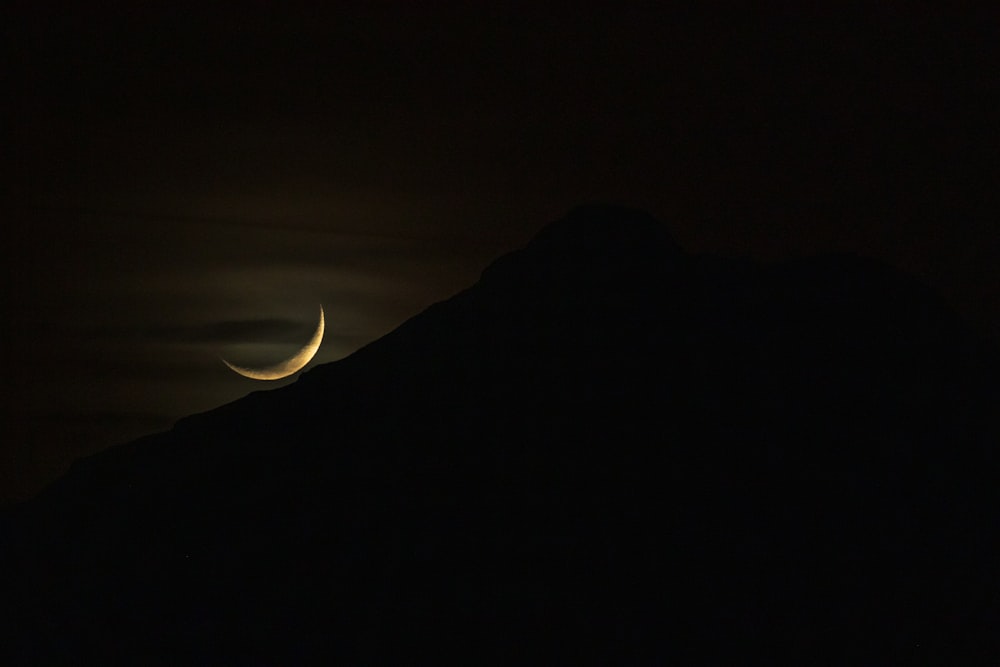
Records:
x=607, y=451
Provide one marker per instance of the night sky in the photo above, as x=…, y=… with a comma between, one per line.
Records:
x=181, y=185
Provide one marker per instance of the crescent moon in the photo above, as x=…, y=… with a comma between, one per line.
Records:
x=289, y=366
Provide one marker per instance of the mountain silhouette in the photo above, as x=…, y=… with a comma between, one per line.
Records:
x=606, y=451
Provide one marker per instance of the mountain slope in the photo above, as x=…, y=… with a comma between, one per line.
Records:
x=607, y=450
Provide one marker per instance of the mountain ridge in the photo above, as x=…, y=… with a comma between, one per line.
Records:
x=607, y=449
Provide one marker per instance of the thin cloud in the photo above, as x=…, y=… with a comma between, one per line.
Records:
x=271, y=330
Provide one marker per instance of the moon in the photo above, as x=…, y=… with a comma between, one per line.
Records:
x=289, y=366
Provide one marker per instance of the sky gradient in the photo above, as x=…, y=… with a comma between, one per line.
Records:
x=182, y=184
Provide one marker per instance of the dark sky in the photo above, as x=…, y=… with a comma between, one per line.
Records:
x=187, y=183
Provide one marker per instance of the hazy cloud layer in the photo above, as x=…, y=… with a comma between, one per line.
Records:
x=231, y=331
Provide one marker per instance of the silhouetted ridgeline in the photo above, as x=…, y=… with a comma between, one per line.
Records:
x=606, y=451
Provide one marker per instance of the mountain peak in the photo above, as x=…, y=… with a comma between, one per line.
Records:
x=607, y=227
x=593, y=242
